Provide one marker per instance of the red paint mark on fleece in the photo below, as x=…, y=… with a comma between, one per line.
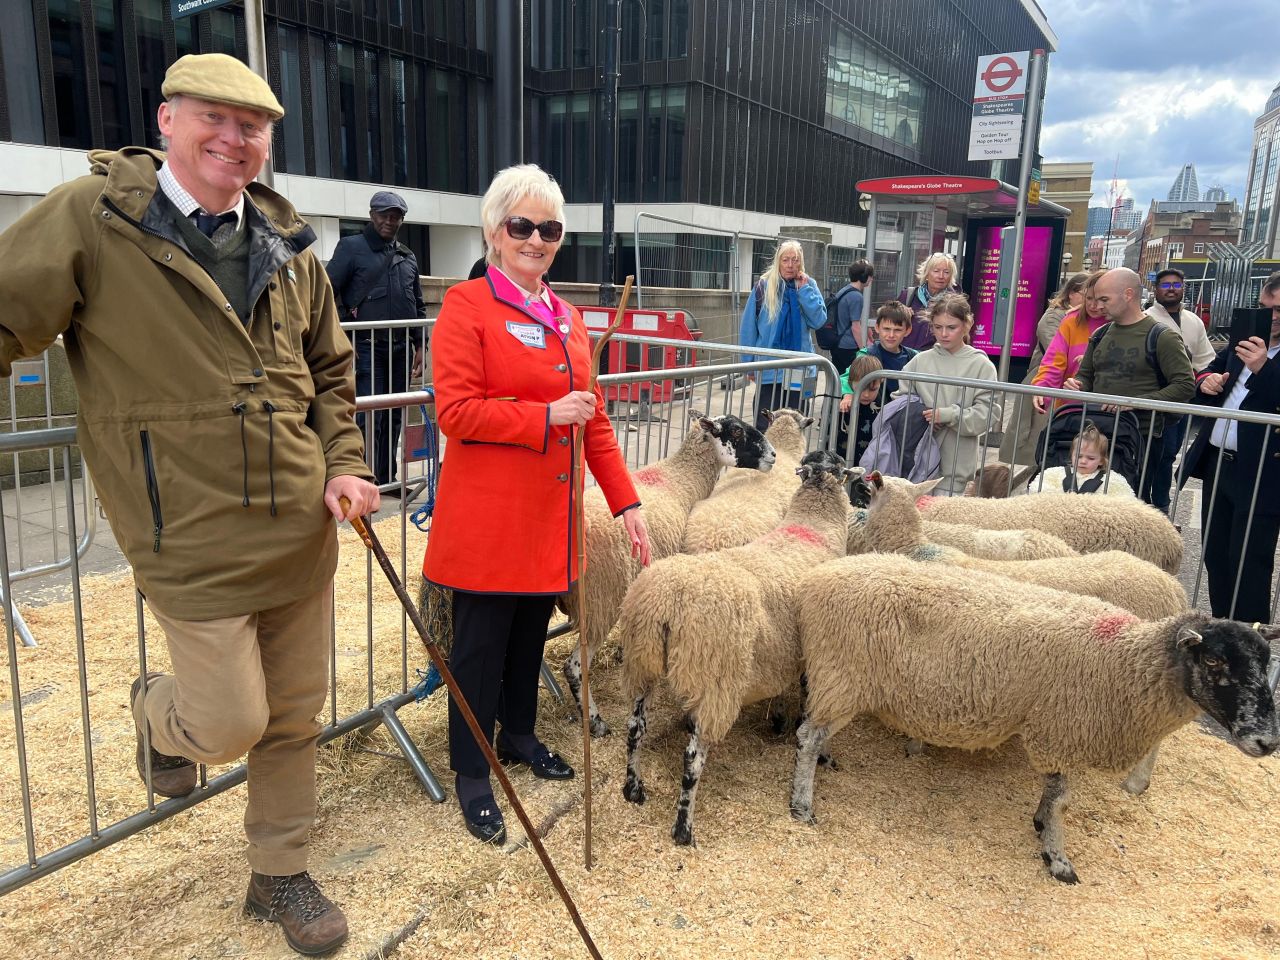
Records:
x=922, y=502
x=651, y=477
x=802, y=533
x=1109, y=626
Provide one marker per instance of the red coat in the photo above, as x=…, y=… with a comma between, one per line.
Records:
x=502, y=521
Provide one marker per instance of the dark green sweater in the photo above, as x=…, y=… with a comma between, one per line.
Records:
x=228, y=263
x=1118, y=365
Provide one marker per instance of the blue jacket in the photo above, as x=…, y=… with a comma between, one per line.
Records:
x=798, y=312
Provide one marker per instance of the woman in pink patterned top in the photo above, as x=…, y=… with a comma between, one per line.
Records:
x=1067, y=349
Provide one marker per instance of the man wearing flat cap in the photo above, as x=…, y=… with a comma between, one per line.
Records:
x=375, y=277
x=216, y=404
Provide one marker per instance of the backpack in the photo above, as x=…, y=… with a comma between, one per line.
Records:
x=902, y=442
x=1153, y=360
x=828, y=335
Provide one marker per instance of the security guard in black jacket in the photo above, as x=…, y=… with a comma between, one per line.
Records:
x=375, y=277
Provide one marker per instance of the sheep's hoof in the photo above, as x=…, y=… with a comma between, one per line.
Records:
x=1038, y=824
x=682, y=834
x=804, y=815
x=633, y=790
x=1136, y=786
x=599, y=728
x=1060, y=868
x=828, y=761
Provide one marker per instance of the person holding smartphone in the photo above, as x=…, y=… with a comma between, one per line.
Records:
x=1238, y=522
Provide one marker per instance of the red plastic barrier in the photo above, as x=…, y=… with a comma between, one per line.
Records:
x=620, y=357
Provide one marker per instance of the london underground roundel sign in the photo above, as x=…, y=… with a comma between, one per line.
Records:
x=1001, y=74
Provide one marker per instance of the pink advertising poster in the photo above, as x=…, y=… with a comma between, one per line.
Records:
x=1031, y=288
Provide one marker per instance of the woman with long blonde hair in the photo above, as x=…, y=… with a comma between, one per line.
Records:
x=783, y=307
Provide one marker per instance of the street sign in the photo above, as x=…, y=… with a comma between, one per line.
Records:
x=1033, y=188
x=999, y=101
x=926, y=185
x=189, y=8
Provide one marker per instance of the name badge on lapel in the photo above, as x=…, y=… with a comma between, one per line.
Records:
x=530, y=334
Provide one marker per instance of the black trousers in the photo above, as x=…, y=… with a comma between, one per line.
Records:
x=774, y=396
x=382, y=366
x=496, y=659
x=1224, y=543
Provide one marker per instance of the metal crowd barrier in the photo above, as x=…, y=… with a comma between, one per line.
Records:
x=1202, y=418
x=714, y=383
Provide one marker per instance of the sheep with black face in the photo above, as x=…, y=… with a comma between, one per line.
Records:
x=1081, y=683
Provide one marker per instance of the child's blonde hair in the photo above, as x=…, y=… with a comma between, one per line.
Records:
x=1090, y=434
x=861, y=366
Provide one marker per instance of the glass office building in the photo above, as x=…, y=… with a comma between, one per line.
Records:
x=772, y=108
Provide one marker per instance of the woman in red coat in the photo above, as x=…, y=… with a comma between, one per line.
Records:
x=510, y=362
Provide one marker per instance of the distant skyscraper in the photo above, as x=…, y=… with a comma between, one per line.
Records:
x=1215, y=194
x=1260, y=189
x=1185, y=186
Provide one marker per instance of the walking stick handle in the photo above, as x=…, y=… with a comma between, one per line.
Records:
x=371, y=541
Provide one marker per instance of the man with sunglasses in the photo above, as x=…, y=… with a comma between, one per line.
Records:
x=1239, y=464
x=1167, y=309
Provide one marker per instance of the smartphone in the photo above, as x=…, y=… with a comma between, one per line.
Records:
x=1249, y=322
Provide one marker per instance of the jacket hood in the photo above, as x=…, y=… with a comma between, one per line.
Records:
x=131, y=185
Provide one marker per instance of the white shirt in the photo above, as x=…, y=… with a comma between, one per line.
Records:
x=186, y=203
x=1224, y=431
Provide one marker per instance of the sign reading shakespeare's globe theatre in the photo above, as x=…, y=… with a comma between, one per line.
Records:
x=999, y=101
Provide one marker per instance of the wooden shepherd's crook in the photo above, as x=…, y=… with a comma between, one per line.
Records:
x=580, y=539
x=375, y=547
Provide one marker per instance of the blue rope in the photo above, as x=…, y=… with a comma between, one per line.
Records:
x=421, y=518
x=431, y=682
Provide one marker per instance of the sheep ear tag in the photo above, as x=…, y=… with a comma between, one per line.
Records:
x=1188, y=638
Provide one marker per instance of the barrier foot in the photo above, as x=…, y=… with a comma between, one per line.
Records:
x=20, y=627
x=549, y=681
x=411, y=754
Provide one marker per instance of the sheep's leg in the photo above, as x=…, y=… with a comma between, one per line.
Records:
x=810, y=740
x=824, y=757
x=1048, y=821
x=695, y=758
x=1139, y=777
x=633, y=789
x=572, y=670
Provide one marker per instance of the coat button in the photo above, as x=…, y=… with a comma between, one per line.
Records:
x=563, y=478
x=272, y=284
x=561, y=368
x=257, y=372
x=227, y=306
x=564, y=441
x=277, y=325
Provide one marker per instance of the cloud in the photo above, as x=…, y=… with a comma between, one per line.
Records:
x=1125, y=83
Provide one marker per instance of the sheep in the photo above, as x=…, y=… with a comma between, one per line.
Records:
x=720, y=627
x=1081, y=683
x=894, y=526
x=1087, y=523
x=668, y=489
x=747, y=504
x=976, y=542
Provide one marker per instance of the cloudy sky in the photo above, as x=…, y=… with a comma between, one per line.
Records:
x=1159, y=85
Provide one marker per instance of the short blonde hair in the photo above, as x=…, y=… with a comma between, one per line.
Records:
x=507, y=189
x=931, y=261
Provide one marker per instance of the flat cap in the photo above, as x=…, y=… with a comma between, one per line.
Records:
x=386, y=200
x=222, y=79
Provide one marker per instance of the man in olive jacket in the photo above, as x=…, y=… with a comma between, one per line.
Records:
x=216, y=415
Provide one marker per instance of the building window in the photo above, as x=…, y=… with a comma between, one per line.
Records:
x=70, y=83
x=866, y=89
x=295, y=151
x=348, y=142
x=21, y=72
x=1175, y=251
x=1198, y=248
x=320, y=107
x=399, y=123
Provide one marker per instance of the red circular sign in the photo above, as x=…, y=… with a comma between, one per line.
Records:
x=1001, y=74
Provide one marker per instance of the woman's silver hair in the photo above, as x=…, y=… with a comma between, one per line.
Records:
x=773, y=276
x=931, y=261
x=509, y=187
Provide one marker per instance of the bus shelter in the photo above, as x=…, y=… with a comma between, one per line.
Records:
x=909, y=218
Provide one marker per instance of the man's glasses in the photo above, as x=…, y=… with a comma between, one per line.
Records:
x=1174, y=285
x=521, y=228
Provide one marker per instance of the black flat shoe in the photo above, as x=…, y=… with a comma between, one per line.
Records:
x=484, y=821
x=544, y=764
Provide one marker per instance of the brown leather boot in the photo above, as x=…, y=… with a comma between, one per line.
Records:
x=170, y=776
x=312, y=923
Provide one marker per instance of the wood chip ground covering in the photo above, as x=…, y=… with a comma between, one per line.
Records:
x=924, y=857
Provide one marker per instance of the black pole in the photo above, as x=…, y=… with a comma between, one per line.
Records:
x=609, y=135
x=508, y=84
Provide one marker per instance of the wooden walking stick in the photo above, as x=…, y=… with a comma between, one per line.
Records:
x=580, y=539
x=375, y=547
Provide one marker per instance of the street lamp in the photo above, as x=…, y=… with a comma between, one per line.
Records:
x=864, y=202
x=1066, y=261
